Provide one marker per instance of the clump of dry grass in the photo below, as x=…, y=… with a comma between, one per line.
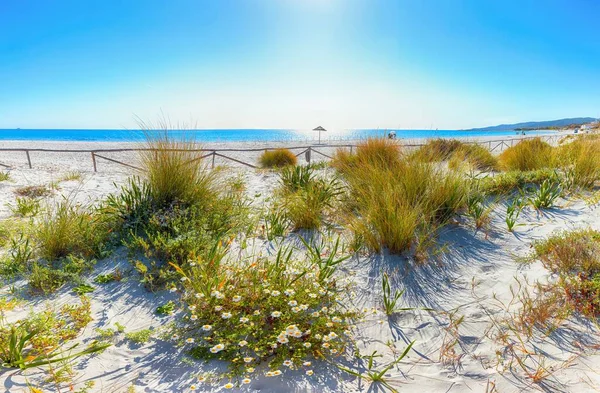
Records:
x=474, y=156
x=527, y=155
x=33, y=191
x=371, y=152
x=457, y=153
x=277, y=158
x=575, y=258
x=398, y=201
x=581, y=160
x=438, y=150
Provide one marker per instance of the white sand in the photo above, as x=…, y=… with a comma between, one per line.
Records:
x=476, y=269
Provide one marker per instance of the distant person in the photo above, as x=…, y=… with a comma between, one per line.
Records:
x=392, y=135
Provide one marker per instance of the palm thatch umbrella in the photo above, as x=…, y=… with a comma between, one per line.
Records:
x=320, y=129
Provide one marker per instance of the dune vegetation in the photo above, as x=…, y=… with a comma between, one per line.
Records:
x=261, y=286
x=277, y=158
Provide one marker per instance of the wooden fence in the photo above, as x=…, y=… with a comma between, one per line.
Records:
x=307, y=151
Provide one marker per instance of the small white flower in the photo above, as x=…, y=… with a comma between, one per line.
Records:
x=275, y=314
x=173, y=289
x=189, y=340
x=275, y=293
x=312, y=295
x=218, y=308
x=315, y=314
x=306, y=364
x=307, y=345
x=192, y=307
x=246, y=381
x=290, y=292
x=228, y=385
x=199, y=295
x=277, y=372
x=250, y=369
x=282, y=340
x=183, y=279
x=274, y=345
x=244, y=319
x=292, y=303
x=207, y=328
x=248, y=359
x=295, y=309
x=243, y=343
x=217, y=348
x=309, y=372
x=226, y=315
x=303, y=307
x=288, y=363
x=236, y=299
x=336, y=319
x=193, y=317
x=256, y=312
x=175, y=336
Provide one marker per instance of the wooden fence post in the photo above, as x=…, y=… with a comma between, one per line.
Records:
x=94, y=162
x=214, y=154
x=28, y=158
x=307, y=155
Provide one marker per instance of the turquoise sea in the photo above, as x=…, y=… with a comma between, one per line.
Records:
x=242, y=135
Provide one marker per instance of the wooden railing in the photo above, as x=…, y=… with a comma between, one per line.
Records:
x=308, y=151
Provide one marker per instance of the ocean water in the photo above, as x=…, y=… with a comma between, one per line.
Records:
x=242, y=135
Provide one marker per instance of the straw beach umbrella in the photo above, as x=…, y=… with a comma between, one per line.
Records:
x=320, y=129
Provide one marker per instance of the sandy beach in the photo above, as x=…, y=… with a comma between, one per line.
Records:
x=476, y=281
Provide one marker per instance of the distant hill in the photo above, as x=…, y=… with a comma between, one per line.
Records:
x=538, y=124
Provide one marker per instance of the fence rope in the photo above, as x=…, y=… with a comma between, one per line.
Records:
x=217, y=152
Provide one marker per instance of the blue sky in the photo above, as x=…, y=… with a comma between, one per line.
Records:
x=297, y=63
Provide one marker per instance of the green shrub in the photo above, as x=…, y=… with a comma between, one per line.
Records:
x=4, y=176
x=47, y=276
x=140, y=336
x=277, y=158
x=25, y=206
x=39, y=339
x=282, y=311
x=508, y=182
x=527, y=155
x=166, y=309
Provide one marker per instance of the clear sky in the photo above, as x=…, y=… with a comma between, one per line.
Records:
x=297, y=63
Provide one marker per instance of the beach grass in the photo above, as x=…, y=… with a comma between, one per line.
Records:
x=277, y=158
x=399, y=201
x=527, y=155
